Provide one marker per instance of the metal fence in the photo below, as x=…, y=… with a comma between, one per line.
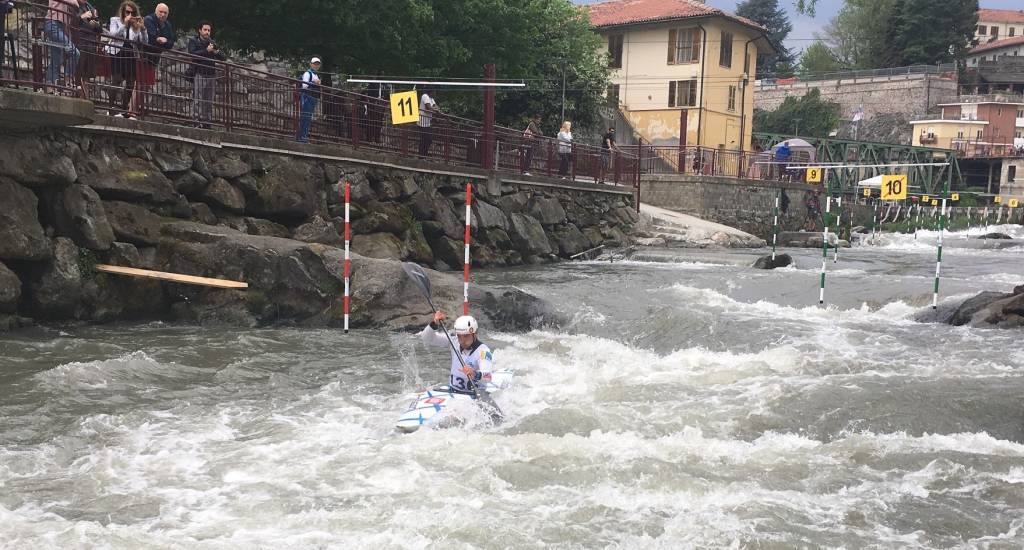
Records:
x=50, y=51
x=707, y=161
x=945, y=68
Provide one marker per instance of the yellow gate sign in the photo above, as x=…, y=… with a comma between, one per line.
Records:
x=894, y=188
x=999, y=200
x=814, y=174
x=405, y=108
x=956, y=196
x=1013, y=203
x=935, y=202
x=925, y=199
x=867, y=191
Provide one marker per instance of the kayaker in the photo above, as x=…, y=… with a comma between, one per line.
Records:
x=475, y=354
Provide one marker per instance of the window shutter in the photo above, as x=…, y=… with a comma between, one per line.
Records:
x=696, y=47
x=671, y=46
x=671, y=94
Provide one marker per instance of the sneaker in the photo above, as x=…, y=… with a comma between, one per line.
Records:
x=527, y=174
x=119, y=115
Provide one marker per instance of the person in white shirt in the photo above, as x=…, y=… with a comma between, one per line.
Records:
x=308, y=98
x=477, y=362
x=127, y=35
x=427, y=108
x=564, y=148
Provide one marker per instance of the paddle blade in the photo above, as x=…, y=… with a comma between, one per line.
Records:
x=417, y=275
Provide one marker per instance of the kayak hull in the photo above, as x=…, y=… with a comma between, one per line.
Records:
x=439, y=406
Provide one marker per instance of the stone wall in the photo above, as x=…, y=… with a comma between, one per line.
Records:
x=175, y=199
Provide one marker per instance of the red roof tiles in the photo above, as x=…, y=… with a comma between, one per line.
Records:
x=1000, y=16
x=629, y=12
x=997, y=44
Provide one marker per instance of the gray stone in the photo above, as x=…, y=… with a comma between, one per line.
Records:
x=180, y=208
x=766, y=262
x=55, y=294
x=29, y=161
x=248, y=185
x=133, y=224
x=489, y=216
x=221, y=194
x=513, y=204
x=10, y=290
x=384, y=217
x=548, y=211
x=417, y=247
x=130, y=179
x=189, y=183
x=201, y=213
x=995, y=236
x=392, y=185
x=448, y=251
x=570, y=239
x=289, y=192
x=228, y=166
x=378, y=245
x=21, y=235
x=528, y=235
x=594, y=235
x=80, y=215
x=318, y=230
x=172, y=160
x=265, y=228
x=431, y=207
x=200, y=165
x=123, y=254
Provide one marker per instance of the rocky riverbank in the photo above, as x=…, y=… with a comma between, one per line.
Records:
x=74, y=199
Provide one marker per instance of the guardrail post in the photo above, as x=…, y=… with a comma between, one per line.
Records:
x=354, y=122
x=37, y=54
x=229, y=89
x=550, y=157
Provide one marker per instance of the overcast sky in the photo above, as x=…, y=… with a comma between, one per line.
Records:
x=804, y=27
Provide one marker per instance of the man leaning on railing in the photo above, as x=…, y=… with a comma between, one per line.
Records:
x=160, y=35
x=57, y=31
x=204, y=72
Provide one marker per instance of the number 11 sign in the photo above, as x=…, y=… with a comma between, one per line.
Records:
x=405, y=108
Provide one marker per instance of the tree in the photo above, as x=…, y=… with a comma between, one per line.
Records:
x=425, y=38
x=818, y=59
x=922, y=34
x=806, y=116
x=768, y=14
x=859, y=34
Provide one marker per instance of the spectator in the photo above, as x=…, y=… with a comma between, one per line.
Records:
x=783, y=202
x=6, y=7
x=813, y=204
x=564, y=148
x=159, y=37
x=607, y=148
x=89, y=31
x=57, y=31
x=308, y=98
x=205, y=72
x=782, y=156
x=427, y=108
x=530, y=135
x=128, y=34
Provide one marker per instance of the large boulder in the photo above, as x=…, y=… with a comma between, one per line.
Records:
x=528, y=235
x=21, y=235
x=378, y=245
x=31, y=162
x=318, y=230
x=228, y=166
x=10, y=290
x=392, y=185
x=995, y=236
x=133, y=223
x=80, y=215
x=488, y=216
x=55, y=294
x=432, y=207
x=128, y=179
x=384, y=217
x=288, y=192
x=966, y=311
x=992, y=309
x=570, y=239
x=766, y=262
x=548, y=211
x=221, y=194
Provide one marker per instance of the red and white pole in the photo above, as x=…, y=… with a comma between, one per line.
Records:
x=465, y=266
x=348, y=260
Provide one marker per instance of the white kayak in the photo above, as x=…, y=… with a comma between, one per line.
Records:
x=443, y=406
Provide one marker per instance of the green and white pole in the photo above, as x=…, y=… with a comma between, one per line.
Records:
x=942, y=227
x=824, y=245
x=917, y=220
x=839, y=217
x=775, y=225
x=986, y=214
x=999, y=215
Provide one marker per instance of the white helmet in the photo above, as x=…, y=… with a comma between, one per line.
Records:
x=465, y=325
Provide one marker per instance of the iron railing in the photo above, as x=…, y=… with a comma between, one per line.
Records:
x=254, y=102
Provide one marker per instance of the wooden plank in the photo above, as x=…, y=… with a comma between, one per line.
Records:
x=173, y=277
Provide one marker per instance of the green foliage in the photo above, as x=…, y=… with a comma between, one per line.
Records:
x=426, y=38
x=771, y=16
x=806, y=6
x=818, y=59
x=858, y=34
x=807, y=116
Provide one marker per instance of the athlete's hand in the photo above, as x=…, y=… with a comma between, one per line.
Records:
x=469, y=372
x=439, y=316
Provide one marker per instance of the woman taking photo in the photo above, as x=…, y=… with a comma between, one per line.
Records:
x=127, y=31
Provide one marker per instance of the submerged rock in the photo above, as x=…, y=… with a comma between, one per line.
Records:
x=995, y=236
x=766, y=262
x=992, y=309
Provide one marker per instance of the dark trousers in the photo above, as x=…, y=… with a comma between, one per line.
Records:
x=426, y=138
x=528, y=158
x=203, y=90
x=563, y=163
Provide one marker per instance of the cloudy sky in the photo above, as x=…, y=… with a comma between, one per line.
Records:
x=804, y=27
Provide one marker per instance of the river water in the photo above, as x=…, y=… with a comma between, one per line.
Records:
x=690, y=402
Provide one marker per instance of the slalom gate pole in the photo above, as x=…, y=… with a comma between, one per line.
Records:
x=775, y=225
x=465, y=266
x=999, y=215
x=874, y=225
x=839, y=217
x=938, y=261
x=348, y=259
x=917, y=221
x=824, y=247
x=967, y=233
x=986, y=214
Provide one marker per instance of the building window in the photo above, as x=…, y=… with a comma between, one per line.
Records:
x=1012, y=31
x=683, y=46
x=995, y=32
x=1011, y=173
x=732, y=98
x=725, y=50
x=682, y=93
x=960, y=134
x=982, y=29
x=613, y=96
x=615, y=51
x=1020, y=113
x=979, y=134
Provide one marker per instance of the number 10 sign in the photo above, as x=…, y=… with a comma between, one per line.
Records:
x=894, y=188
x=405, y=108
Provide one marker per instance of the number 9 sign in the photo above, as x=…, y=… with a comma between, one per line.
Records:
x=894, y=188
x=814, y=174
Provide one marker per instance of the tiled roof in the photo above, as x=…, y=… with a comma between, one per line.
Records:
x=630, y=12
x=1000, y=16
x=997, y=44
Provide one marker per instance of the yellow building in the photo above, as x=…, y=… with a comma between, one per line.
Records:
x=682, y=67
x=945, y=134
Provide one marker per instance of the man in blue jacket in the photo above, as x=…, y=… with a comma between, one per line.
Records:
x=204, y=72
x=161, y=37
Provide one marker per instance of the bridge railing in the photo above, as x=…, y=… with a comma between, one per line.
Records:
x=164, y=87
x=707, y=161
